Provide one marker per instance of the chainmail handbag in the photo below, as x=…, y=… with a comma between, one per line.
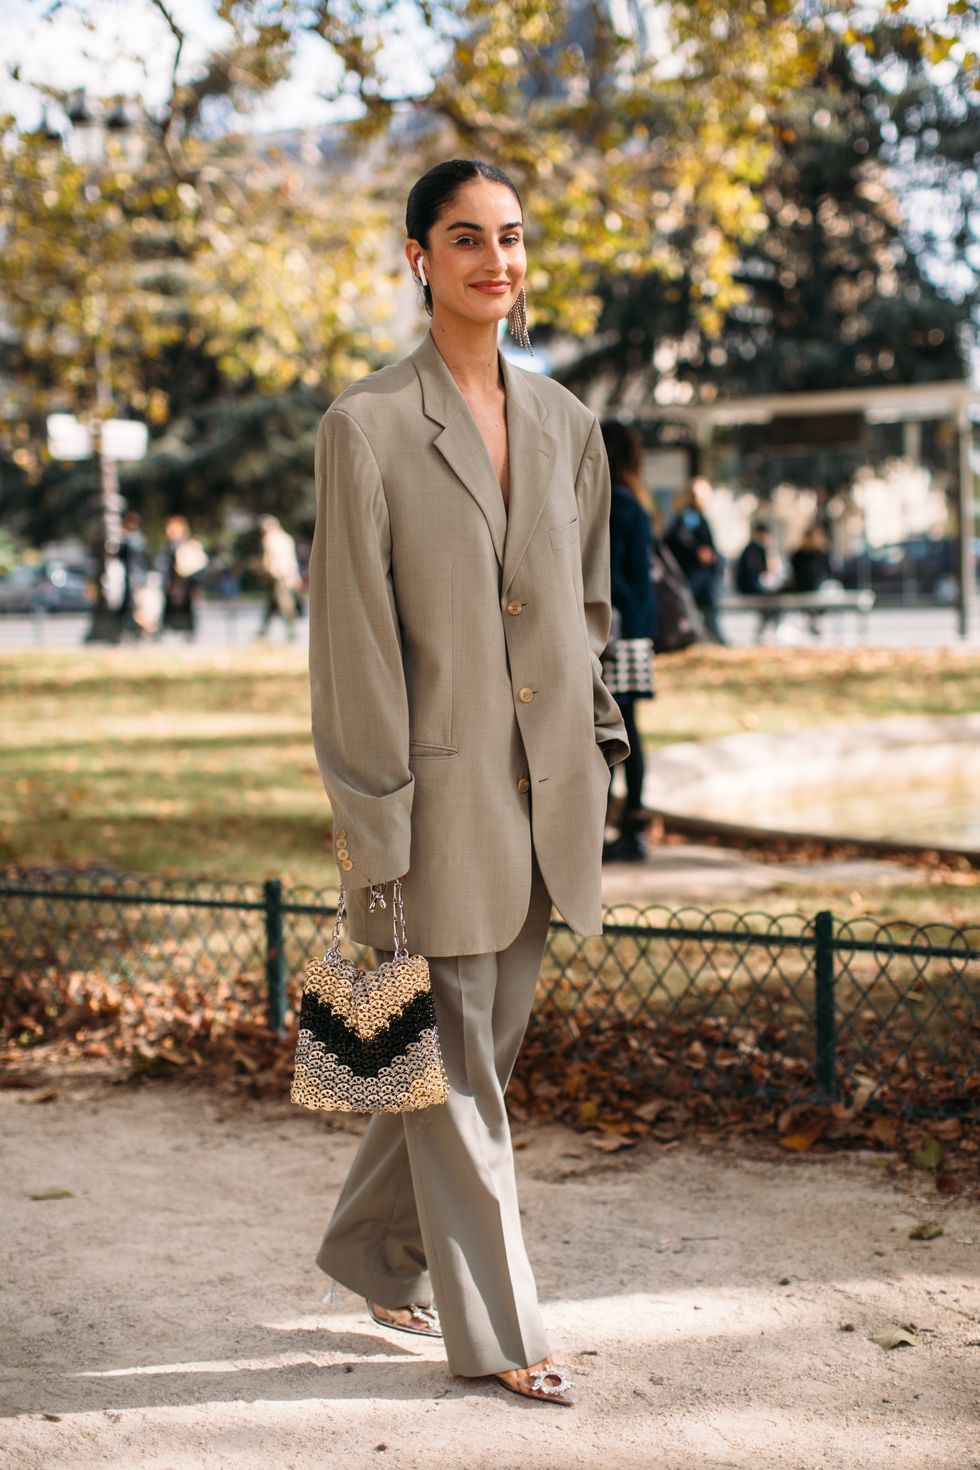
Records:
x=368, y=1041
x=627, y=668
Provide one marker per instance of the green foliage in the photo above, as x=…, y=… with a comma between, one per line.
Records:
x=659, y=174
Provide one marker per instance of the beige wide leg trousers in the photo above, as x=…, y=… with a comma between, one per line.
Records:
x=429, y=1210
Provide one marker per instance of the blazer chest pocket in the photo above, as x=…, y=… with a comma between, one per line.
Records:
x=427, y=751
x=566, y=535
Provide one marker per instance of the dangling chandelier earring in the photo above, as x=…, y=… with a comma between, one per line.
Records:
x=517, y=322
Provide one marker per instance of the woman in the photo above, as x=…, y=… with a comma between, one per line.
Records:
x=458, y=605
x=184, y=561
x=634, y=598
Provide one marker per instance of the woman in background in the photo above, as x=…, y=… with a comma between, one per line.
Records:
x=633, y=597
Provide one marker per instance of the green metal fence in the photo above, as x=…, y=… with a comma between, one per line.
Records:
x=711, y=1003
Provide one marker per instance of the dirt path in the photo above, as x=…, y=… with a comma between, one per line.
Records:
x=168, y=1316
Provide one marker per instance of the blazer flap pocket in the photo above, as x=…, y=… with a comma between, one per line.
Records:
x=565, y=535
x=423, y=748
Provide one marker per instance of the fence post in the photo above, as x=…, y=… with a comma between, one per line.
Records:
x=275, y=960
x=825, y=1009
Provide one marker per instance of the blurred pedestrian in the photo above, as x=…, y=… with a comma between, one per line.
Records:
x=633, y=599
x=810, y=568
x=692, y=542
x=280, y=567
x=758, y=573
x=132, y=555
x=184, y=562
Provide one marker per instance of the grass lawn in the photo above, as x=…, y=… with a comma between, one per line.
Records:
x=183, y=763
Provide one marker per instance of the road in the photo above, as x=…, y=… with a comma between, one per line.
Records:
x=224, y=626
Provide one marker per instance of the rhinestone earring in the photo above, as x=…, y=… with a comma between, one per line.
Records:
x=517, y=322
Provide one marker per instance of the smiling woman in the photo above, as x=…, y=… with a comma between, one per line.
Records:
x=459, y=602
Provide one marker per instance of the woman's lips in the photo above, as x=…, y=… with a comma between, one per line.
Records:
x=492, y=288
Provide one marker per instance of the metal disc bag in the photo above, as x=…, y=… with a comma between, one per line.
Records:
x=368, y=1041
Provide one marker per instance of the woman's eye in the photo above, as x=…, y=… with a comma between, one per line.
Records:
x=464, y=240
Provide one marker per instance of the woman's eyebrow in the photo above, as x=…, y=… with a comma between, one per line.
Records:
x=466, y=224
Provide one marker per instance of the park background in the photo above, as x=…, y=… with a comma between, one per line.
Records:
x=753, y=233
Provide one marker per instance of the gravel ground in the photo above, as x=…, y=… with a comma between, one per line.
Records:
x=715, y=1308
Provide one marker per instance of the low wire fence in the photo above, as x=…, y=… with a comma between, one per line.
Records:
x=683, y=1002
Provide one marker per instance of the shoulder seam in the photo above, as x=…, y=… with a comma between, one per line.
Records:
x=342, y=413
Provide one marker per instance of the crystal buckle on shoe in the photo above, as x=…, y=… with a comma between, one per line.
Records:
x=539, y=1384
x=428, y=1314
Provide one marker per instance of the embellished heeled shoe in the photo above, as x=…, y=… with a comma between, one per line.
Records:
x=550, y=1384
x=424, y=1320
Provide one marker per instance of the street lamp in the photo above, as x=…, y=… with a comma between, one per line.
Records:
x=88, y=137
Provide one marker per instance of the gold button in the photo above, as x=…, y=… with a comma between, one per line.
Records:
x=515, y=609
x=341, y=832
x=523, y=785
x=346, y=864
x=525, y=695
x=342, y=852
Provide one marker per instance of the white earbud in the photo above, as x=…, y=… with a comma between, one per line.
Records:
x=421, y=270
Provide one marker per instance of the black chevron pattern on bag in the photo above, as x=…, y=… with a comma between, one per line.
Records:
x=366, y=1058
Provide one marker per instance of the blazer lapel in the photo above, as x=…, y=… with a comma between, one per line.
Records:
x=533, y=451
x=460, y=443
x=533, y=455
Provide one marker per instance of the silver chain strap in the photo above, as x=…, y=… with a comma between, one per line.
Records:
x=377, y=898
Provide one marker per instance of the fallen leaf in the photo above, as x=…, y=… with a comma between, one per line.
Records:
x=610, y=1143
x=930, y=1155
x=926, y=1230
x=52, y=1194
x=893, y=1337
x=801, y=1140
x=885, y=1130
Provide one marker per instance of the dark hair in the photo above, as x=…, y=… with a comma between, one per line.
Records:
x=761, y=528
x=434, y=192
x=624, y=449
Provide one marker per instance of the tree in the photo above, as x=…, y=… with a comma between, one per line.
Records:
x=842, y=285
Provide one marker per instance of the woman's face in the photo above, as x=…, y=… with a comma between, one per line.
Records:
x=475, y=261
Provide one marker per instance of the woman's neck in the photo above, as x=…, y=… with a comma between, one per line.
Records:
x=469, y=350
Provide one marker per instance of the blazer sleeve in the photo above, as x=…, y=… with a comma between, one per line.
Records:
x=592, y=491
x=358, y=698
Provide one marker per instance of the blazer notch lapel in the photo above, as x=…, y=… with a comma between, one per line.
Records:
x=464, y=451
x=459, y=442
x=533, y=455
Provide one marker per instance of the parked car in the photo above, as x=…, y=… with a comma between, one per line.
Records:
x=46, y=586
x=923, y=568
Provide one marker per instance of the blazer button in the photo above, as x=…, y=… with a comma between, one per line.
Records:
x=515, y=609
x=523, y=785
x=341, y=834
x=525, y=695
x=341, y=852
x=346, y=864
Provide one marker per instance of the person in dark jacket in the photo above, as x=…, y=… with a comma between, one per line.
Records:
x=810, y=568
x=692, y=542
x=757, y=574
x=132, y=554
x=633, y=598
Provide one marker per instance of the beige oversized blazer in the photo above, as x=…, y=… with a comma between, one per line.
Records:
x=454, y=654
